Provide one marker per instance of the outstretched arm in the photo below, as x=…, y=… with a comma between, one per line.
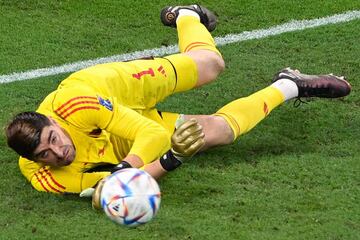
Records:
x=186, y=141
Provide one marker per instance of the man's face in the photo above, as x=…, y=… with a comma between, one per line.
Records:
x=55, y=148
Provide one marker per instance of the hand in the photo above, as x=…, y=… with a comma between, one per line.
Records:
x=188, y=139
x=95, y=193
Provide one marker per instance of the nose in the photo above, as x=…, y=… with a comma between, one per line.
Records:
x=58, y=151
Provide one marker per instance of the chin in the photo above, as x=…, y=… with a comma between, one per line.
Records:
x=67, y=164
x=70, y=160
x=71, y=157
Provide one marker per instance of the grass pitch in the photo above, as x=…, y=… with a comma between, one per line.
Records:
x=295, y=176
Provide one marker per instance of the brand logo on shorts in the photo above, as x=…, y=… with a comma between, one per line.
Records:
x=161, y=70
x=106, y=103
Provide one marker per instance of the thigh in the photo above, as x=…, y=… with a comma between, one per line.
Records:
x=138, y=84
x=186, y=71
x=166, y=119
x=122, y=146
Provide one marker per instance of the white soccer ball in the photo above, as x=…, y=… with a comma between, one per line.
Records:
x=130, y=197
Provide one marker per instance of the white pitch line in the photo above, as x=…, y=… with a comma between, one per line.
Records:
x=228, y=39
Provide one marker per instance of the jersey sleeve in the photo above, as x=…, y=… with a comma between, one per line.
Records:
x=58, y=180
x=151, y=140
x=88, y=110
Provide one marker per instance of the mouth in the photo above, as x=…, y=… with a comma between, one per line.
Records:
x=67, y=157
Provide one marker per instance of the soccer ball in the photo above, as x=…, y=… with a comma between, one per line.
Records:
x=130, y=197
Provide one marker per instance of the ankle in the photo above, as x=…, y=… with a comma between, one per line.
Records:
x=187, y=12
x=287, y=87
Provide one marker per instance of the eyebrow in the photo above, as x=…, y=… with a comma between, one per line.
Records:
x=49, y=140
x=50, y=135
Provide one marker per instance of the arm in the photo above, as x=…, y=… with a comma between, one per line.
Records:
x=58, y=180
x=87, y=110
x=186, y=141
x=151, y=140
x=155, y=169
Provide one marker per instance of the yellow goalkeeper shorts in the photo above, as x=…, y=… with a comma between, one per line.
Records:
x=140, y=84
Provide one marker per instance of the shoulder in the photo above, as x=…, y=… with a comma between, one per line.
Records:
x=44, y=178
x=73, y=103
x=62, y=100
x=68, y=101
x=28, y=168
x=81, y=106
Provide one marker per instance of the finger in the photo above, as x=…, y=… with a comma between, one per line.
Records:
x=97, y=195
x=191, y=140
x=195, y=147
x=187, y=141
x=185, y=126
x=88, y=192
x=186, y=148
x=191, y=130
x=188, y=134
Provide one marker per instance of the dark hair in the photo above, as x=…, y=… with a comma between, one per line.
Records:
x=24, y=131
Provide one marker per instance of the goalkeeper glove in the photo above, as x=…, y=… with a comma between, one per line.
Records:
x=186, y=141
x=95, y=192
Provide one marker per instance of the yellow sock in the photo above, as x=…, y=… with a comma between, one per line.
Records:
x=193, y=35
x=243, y=114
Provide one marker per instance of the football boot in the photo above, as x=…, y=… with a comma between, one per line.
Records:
x=322, y=86
x=169, y=15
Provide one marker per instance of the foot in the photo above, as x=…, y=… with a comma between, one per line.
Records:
x=324, y=86
x=169, y=15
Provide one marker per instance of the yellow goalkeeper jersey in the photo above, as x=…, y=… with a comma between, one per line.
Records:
x=107, y=111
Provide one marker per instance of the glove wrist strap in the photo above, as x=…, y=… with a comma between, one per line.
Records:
x=120, y=166
x=169, y=162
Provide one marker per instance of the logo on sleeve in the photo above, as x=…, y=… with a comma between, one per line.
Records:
x=106, y=103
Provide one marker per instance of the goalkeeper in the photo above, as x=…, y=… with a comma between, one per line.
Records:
x=104, y=118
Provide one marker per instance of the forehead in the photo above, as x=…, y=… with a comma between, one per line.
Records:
x=46, y=132
x=44, y=137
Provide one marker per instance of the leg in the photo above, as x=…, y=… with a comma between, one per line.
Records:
x=240, y=116
x=237, y=117
x=209, y=65
x=217, y=131
x=193, y=24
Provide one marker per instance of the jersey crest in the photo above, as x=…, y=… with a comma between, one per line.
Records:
x=106, y=103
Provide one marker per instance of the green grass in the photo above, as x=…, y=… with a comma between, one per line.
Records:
x=295, y=176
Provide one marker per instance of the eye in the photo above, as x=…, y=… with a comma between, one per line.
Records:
x=44, y=154
x=53, y=140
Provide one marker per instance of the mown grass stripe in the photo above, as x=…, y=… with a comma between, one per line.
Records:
x=291, y=26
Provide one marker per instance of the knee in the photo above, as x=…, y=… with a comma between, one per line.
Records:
x=220, y=63
x=209, y=65
x=216, y=64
